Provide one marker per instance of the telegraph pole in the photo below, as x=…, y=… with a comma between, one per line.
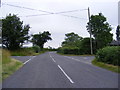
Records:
x=90, y=31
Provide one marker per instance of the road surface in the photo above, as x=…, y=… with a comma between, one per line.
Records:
x=50, y=70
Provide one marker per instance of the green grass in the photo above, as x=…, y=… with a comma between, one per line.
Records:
x=9, y=66
x=106, y=66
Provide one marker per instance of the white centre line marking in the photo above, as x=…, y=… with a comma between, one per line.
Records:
x=66, y=74
x=52, y=58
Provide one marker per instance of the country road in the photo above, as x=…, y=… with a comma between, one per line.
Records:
x=50, y=70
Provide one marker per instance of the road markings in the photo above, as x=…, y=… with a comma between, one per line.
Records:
x=65, y=74
x=78, y=60
x=28, y=60
x=52, y=58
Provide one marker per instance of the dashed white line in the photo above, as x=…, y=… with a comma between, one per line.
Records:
x=66, y=74
x=52, y=58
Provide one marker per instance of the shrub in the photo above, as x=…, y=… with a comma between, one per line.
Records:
x=36, y=49
x=69, y=50
x=22, y=52
x=109, y=55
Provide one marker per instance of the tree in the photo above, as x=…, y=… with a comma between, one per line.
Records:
x=72, y=40
x=100, y=30
x=14, y=34
x=41, y=38
x=85, y=46
x=118, y=33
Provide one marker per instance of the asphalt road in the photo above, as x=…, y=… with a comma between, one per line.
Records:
x=50, y=70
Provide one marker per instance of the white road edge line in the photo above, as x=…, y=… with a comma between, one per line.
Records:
x=65, y=74
x=28, y=60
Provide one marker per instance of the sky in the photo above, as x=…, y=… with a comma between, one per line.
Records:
x=60, y=24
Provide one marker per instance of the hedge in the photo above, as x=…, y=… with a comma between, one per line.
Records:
x=69, y=50
x=109, y=55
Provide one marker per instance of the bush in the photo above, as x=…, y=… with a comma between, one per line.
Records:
x=109, y=55
x=69, y=50
x=36, y=49
x=22, y=52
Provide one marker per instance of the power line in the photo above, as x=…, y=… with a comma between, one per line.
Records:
x=73, y=16
x=49, y=13
x=26, y=8
x=35, y=15
x=43, y=10
x=70, y=11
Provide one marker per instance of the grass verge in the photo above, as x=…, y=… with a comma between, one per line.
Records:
x=106, y=66
x=9, y=65
x=10, y=68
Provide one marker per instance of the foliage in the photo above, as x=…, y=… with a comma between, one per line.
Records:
x=14, y=34
x=36, y=49
x=100, y=29
x=41, y=38
x=109, y=55
x=118, y=33
x=72, y=40
x=50, y=49
x=74, y=44
x=85, y=46
x=69, y=50
x=23, y=52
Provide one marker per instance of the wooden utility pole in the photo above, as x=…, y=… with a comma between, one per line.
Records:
x=90, y=31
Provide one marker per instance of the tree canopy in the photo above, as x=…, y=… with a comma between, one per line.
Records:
x=14, y=34
x=41, y=38
x=100, y=30
x=71, y=40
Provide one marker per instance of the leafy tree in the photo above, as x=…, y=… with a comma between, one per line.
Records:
x=41, y=38
x=14, y=34
x=72, y=40
x=118, y=33
x=85, y=46
x=100, y=30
